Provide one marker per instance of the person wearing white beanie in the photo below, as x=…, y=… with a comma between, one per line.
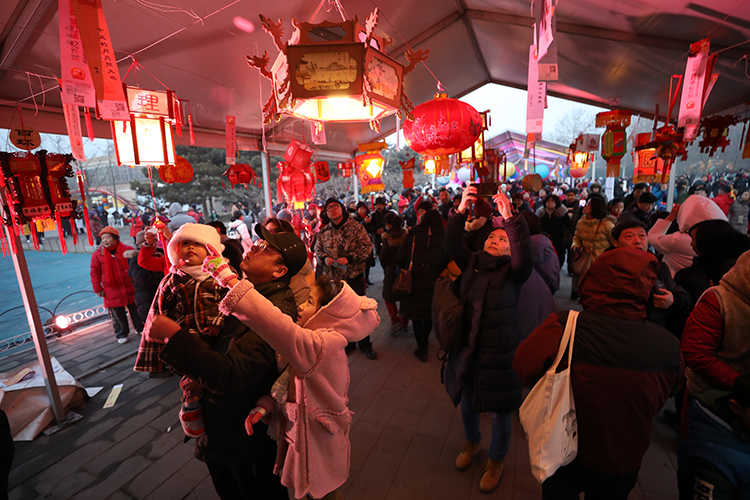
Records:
x=190, y=297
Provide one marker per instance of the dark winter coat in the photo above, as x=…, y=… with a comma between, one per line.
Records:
x=492, y=286
x=388, y=258
x=556, y=226
x=624, y=367
x=118, y=289
x=235, y=374
x=145, y=283
x=429, y=260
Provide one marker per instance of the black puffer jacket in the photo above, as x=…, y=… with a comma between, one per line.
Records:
x=388, y=255
x=484, y=365
x=145, y=283
x=235, y=373
x=430, y=258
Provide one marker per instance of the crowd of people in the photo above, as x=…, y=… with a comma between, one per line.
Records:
x=258, y=318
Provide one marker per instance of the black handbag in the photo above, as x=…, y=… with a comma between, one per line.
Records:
x=402, y=285
x=447, y=314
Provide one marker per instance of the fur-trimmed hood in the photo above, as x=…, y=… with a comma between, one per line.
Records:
x=349, y=314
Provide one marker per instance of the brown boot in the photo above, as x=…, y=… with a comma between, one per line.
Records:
x=491, y=478
x=464, y=459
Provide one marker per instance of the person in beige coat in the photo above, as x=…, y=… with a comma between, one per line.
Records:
x=593, y=234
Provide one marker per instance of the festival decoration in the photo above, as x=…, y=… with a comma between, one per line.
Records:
x=37, y=190
x=442, y=127
x=648, y=167
x=716, y=133
x=146, y=139
x=25, y=138
x=322, y=174
x=345, y=168
x=370, y=167
x=428, y=167
x=668, y=144
x=407, y=168
x=241, y=173
x=542, y=170
x=295, y=184
x=181, y=171
x=614, y=138
x=335, y=72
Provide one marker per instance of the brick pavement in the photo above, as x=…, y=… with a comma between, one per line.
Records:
x=405, y=434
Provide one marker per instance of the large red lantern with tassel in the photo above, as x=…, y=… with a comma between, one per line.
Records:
x=443, y=126
x=297, y=184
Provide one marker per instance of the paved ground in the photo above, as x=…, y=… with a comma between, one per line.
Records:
x=405, y=437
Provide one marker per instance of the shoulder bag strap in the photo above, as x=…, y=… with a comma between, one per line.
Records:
x=567, y=340
x=411, y=259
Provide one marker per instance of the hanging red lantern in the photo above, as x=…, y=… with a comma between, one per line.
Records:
x=297, y=184
x=443, y=126
x=345, y=168
x=241, y=173
x=648, y=167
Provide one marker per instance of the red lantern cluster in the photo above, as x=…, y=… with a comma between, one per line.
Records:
x=37, y=189
x=241, y=173
x=346, y=168
x=443, y=126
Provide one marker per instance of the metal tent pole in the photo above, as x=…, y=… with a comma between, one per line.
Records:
x=265, y=161
x=672, y=182
x=35, y=323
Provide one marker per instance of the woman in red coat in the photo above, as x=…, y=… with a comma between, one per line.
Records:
x=136, y=223
x=110, y=279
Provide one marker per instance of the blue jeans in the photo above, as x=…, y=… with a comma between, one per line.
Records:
x=501, y=428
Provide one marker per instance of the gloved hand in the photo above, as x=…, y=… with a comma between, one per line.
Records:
x=254, y=417
x=218, y=266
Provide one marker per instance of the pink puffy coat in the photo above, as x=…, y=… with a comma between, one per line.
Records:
x=118, y=291
x=314, y=447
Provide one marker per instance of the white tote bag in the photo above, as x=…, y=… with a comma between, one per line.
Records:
x=548, y=415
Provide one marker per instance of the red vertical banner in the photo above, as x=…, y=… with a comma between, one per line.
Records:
x=101, y=59
x=536, y=100
x=231, y=146
x=693, y=87
x=73, y=124
x=75, y=77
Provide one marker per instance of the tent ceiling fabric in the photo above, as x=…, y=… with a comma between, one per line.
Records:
x=609, y=52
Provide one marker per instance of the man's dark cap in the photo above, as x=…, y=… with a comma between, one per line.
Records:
x=640, y=185
x=380, y=200
x=289, y=245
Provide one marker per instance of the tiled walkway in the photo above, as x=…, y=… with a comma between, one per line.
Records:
x=405, y=437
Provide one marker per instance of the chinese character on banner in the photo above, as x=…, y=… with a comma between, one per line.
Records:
x=76, y=83
x=231, y=145
x=322, y=174
x=537, y=99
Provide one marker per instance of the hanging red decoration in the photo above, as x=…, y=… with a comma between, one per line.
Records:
x=322, y=174
x=407, y=167
x=648, y=167
x=370, y=167
x=296, y=184
x=37, y=190
x=443, y=126
x=345, y=168
x=716, y=133
x=241, y=173
x=181, y=172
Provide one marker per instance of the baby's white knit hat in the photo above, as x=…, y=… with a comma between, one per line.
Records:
x=199, y=233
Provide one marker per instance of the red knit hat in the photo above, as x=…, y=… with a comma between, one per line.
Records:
x=110, y=230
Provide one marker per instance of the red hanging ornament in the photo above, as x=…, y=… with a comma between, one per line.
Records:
x=442, y=126
x=345, y=168
x=322, y=174
x=181, y=172
x=241, y=173
x=407, y=167
x=716, y=133
x=614, y=139
x=296, y=184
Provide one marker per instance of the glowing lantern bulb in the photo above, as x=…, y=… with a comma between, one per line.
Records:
x=62, y=322
x=429, y=166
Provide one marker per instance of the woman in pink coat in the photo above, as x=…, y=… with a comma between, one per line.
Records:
x=111, y=281
x=311, y=420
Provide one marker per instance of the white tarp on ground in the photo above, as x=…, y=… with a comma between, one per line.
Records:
x=26, y=402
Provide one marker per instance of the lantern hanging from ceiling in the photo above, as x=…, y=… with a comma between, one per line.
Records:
x=296, y=185
x=442, y=127
x=240, y=173
x=36, y=189
x=146, y=139
x=614, y=138
x=335, y=72
x=370, y=167
x=668, y=144
x=648, y=167
x=579, y=159
x=345, y=168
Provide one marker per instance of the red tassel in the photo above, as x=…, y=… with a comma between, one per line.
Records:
x=178, y=117
x=88, y=225
x=192, y=135
x=61, y=233
x=74, y=230
x=89, y=127
x=34, y=239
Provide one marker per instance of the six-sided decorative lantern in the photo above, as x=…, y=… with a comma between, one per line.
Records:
x=648, y=167
x=370, y=167
x=334, y=72
x=146, y=139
